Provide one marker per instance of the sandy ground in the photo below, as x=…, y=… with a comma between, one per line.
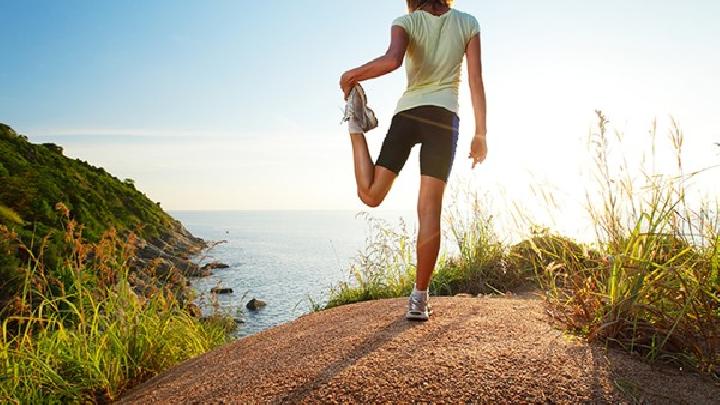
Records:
x=475, y=350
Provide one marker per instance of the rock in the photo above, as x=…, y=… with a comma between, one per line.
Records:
x=162, y=267
x=149, y=251
x=221, y=290
x=255, y=304
x=193, y=270
x=464, y=295
x=194, y=310
x=214, y=265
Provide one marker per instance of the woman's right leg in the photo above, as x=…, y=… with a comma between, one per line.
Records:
x=429, y=210
x=373, y=182
x=439, y=143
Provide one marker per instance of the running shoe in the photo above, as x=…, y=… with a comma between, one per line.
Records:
x=357, y=111
x=418, y=309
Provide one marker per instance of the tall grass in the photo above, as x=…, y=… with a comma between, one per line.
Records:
x=655, y=288
x=386, y=266
x=483, y=263
x=384, y=269
x=86, y=331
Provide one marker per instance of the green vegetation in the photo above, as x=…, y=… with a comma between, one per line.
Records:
x=83, y=333
x=35, y=177
x=650, y=283
x=81, y=322
x=386, y=267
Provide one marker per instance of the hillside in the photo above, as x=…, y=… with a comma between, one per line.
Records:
x=34, y=178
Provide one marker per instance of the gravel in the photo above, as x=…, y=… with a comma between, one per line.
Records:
x=472, y=350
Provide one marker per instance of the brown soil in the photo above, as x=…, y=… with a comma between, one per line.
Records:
x=471, y=350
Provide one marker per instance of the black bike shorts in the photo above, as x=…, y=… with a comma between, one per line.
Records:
x=435, y=128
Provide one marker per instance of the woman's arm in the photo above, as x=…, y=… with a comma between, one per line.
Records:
x=478, y=148
x=383, y=65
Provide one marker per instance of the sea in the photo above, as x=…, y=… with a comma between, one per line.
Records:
x=289, y=259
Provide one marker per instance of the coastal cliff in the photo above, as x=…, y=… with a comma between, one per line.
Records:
x=40, y=188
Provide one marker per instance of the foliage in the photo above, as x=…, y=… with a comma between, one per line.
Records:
x=36, y=177
x=386, y=267
x=383, y=269
x=33, y=178
x=484, y=263
x=85, y=332
x=657, y=290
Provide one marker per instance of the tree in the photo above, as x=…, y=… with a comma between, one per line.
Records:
x=53, y=147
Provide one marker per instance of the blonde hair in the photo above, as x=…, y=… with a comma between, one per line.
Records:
x=416, y=4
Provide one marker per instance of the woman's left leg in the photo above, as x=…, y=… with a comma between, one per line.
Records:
x=429, y=210
x=373, y=182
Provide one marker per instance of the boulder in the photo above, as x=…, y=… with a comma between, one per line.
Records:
x=255, y=304
x=149, y=252
x=214, y=265
x=162, y=267
x=221, y=290
x=191, y=269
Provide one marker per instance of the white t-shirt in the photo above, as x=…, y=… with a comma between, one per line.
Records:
x=434, y=57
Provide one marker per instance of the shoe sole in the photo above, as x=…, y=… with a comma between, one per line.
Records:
x=416, y=317
x=371, y=119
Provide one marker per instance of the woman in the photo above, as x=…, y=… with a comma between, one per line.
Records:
x=432, y=39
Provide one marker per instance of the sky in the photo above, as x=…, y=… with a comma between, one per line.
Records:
x=235, y=104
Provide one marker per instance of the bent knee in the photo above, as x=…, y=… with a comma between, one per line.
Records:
x=370, y=200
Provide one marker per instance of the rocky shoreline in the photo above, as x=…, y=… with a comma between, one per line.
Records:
x=172, y=249
x=159, y=261
x=166, y=260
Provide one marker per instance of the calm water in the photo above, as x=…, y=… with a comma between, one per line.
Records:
x=281, y=257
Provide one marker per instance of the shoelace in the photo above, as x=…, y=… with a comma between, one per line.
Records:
x=417, y=304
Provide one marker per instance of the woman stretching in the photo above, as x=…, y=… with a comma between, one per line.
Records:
x=432, y=40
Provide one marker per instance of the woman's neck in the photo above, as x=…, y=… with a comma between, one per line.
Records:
x=438, y=11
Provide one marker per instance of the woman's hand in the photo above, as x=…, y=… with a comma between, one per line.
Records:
x=478, y=149
x=347, y=83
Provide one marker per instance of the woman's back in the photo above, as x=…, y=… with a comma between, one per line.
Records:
x=434, y=57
